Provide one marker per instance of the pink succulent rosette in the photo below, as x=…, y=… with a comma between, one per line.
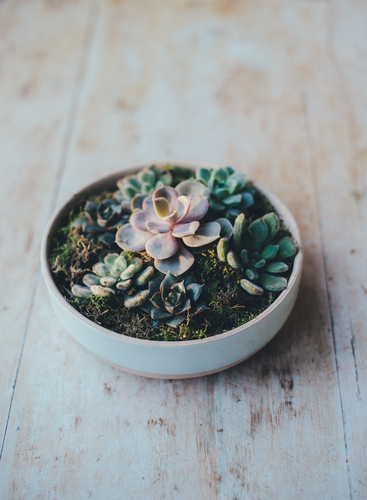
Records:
x=169, y=218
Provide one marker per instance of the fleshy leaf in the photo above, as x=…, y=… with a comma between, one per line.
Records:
x=252, y=274
x=158, y=314
x=157, y=227
x=226, y=228
x=136, y=300
x=132, y=239
x=272, y=221
x=140, y=219
x=167, y=193
x=233, y=201
x=273, y=283
x=90, y=280
x=176, y=320
x=251, y=288
x=239, y=228
x=261, y=263
x=276, y=267
x=269, y=252
x=161, y=207
x=247, y=200
x=109, y=260
x=108, y=281
x=80, y=291
x=101, y=269
x=233, y=260
x=222, y=249
x=137, y=202
x=203, y=175
x=259, y=231
x=177, y=264
x=287, y=247
x=169, y=280
x=124, y=285
x=128, y=272
x=102, y=291
x=185, y=229
x=154, y=286
x=193, y=291
x=199, y=205
x=192, y=187
x=162, y=246
x=244, y=256
x=157, y=301
x=207, y=233
x=145, y=276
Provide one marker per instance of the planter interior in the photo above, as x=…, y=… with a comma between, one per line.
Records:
x=174, y=359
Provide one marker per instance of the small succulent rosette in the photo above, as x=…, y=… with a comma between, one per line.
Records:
x=258, y=252
x=168, y=223
x=102, y=220
x=229, y=193
x=133, y=189
x=172, y=300
x=116, y=273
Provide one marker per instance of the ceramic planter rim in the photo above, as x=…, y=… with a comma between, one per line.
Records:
x=73, y=199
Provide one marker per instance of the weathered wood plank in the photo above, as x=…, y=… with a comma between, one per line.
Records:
x=215, y=81
x=338, y=147
x=38, y=70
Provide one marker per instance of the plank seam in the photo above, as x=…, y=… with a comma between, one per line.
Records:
x=69, y=129
x=312, y=170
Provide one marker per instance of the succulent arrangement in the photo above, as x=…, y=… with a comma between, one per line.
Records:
x=199, y=255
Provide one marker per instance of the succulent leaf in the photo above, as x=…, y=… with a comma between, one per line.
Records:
x=259, y=230
x=251, y=288
x=234, y=261
x=226, y=228
x=239, y=229
x=222, y=249
x=252, y=274
x=102, y=291
x=276, y=267
x=272, y=221
x=273, y=283
x=287, y=247
x=207, y=233
x=269, y=252
x=136, y=300
x=81, y=291
x=90, y=280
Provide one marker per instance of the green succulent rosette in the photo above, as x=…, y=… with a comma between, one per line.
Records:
x=229, y=193
x=258, y=252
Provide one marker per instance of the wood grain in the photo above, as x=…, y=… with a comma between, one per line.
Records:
x=38, y=79
x=278, y=91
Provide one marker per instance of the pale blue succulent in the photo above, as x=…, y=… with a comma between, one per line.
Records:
x=116, y=273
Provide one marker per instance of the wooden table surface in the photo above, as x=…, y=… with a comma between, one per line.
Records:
x=278, y=90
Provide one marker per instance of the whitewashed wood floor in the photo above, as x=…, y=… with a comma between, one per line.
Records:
x=278, y=89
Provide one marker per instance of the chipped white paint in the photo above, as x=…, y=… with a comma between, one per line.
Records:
x=276, y=89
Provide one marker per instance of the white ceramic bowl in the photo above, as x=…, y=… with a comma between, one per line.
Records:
x=179, y=359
